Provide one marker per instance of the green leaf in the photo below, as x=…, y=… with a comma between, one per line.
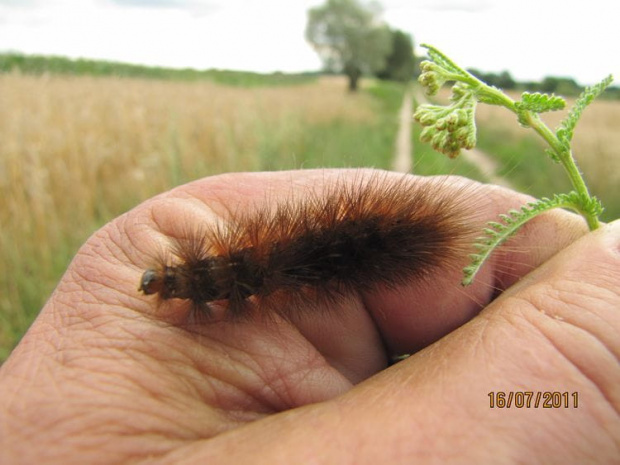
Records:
x=567, y=126
x=498, y=232
x=443, y=61
x=552, y=155
x=540, y=103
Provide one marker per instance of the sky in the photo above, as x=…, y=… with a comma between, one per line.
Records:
x=529, y=38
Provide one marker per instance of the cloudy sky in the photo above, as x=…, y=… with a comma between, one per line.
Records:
x=530, y=38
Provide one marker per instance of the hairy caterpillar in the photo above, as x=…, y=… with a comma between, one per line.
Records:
x=352, y=236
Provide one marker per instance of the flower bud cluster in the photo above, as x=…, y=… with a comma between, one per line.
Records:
x=448, y=129
x=432, y=77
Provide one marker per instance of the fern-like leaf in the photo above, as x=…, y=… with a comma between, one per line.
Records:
x=540, y=103
x=498, y=232
x=567, y=126
x=443, y=61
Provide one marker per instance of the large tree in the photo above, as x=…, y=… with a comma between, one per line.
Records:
x=400, y=63
x=349, y=37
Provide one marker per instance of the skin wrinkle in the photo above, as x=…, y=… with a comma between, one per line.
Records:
x=117, y=236
x=569, y=293
x=104, y=435
x=580, y=367
x=257, y=402
x=279, y=370
x=285, y=382
x=217, y=383
x=111, y=244
x=479, y=346
x=274, y=375
x=535, y=323
x=106, y=340
x=97, y=288
x=146, y=238
x=353, y=372
x=146, y=388
x=527, y=314
x=259, y=372
x=275, y=383
x=593, y=338
x=508, y=316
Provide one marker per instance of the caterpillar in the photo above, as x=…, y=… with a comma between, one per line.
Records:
x=351, y=236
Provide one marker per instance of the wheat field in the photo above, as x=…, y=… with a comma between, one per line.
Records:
x=78, y=151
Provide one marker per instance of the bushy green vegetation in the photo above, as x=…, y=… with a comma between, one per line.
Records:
x=349, y=38
x=400, y=64
x=368, y=143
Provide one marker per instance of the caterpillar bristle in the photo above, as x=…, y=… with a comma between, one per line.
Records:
x=314, y=251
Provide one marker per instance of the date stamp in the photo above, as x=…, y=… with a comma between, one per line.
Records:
x=532, y=399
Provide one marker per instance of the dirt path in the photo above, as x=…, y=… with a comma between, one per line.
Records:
x=487, y=165
x=403, y=155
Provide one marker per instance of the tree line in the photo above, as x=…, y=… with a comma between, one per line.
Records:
x=41, y=65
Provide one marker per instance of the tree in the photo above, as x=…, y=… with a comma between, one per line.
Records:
x=560, y=85
x=349, y=37
x=400, y=63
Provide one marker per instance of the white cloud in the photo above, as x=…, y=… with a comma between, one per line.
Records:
x=530, y=38
x=267, y=35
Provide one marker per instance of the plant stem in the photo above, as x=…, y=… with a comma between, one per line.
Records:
x=567, y=160
x=494, y=96
x=564, y=155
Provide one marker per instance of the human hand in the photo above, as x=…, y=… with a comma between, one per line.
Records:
x=105, y=376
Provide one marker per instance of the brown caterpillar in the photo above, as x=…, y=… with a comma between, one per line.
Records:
x=352, y=236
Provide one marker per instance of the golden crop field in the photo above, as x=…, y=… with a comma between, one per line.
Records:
x=78, y=151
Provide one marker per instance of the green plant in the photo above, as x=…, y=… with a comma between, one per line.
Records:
x=452, y=128
x=349, y=36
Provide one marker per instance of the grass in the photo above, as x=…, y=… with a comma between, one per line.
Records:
x=521, y=159
x=77, y=151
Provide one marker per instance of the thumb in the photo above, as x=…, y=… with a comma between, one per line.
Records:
x=575, y=296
